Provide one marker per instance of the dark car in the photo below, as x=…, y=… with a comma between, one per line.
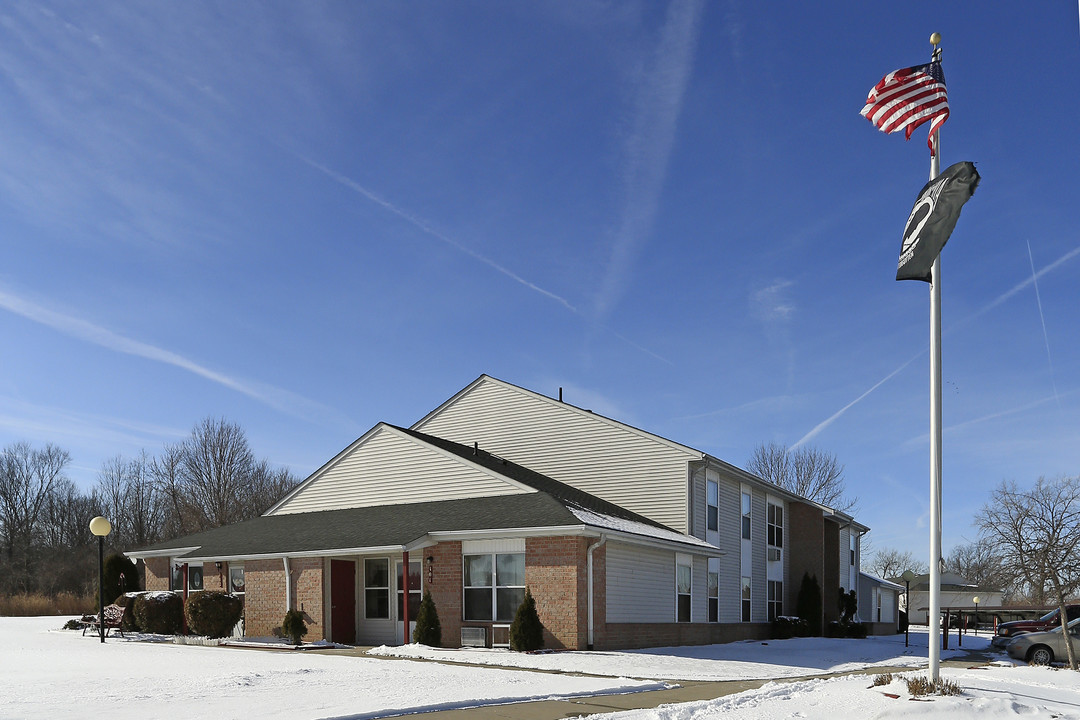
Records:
x=1006, y=632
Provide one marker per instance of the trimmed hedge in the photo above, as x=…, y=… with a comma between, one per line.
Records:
x=159, y=612
x=213, y=613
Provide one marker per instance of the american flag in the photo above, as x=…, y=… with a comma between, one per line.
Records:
x=905, y=99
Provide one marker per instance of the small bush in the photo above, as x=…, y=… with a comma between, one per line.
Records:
x=920, y=685
x=526, y=632
x=846, y=630
x=294, y=627
x=428, y=631
x=159, y=612
x=73, y=624
x=883, y=679
x=213, y=614
x=785, y=627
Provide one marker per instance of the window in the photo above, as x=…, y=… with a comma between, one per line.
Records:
x=714, y=589
x=194, y=577
x=176, y=577
x=683, y=584
x=775, y=525
x=746, y=599
x=877, y=593
x=414, y=590
x=776, y=599
x=494, y=595
x=851, y=542
x=746, y=516
x=712, y=511
x=236, y=579
x=377, y=588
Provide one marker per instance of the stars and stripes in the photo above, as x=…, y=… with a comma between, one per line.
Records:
x=907, y=98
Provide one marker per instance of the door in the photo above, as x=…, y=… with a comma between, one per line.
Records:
x=415, y=579
x=343, y=601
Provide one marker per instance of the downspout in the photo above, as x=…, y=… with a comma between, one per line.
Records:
x=288, y=585
x=589, y=563
x=405, y=597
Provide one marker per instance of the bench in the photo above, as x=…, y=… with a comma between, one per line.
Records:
x=114, y=616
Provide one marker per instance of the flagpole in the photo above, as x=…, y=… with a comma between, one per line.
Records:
x=934, y=615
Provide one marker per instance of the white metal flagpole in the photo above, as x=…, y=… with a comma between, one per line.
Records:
x=934, y=614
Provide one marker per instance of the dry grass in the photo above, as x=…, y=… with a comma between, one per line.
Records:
x=920, y=685
x=25, y=605
x=882, y=679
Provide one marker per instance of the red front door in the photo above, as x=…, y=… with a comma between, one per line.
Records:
x=343, y=601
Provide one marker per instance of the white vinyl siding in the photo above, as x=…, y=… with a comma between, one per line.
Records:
x=388, y=468
x=731, y=544
x=640, y=584
x=631, y=468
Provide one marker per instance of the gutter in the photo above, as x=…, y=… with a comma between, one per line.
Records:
x=603, y=539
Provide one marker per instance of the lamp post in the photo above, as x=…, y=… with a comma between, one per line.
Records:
x=976, y=601
x=908, y=576
x=101, y=527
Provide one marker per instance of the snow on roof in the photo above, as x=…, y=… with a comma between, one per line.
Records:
x=632, y=527
x=881, y=581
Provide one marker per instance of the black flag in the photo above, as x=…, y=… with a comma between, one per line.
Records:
x=933, y=218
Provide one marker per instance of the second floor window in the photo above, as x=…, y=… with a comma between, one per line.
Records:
x=746, y=516
x=775, y=525
x=712, y=507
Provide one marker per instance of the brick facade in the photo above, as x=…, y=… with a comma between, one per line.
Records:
x=157, y=573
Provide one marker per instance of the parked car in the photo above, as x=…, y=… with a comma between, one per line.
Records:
x=1043, y=648
x=1007, y=631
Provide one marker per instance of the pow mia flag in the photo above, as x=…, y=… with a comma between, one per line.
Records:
x=933, y=218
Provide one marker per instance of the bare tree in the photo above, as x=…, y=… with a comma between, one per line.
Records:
x=807, y=471
x=888, y=563
x=131, y=500
x=979, y=563
x=1036, y=533
x=27, y=478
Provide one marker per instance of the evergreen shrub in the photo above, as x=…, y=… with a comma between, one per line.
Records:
x=428, y=631
x=294, y=627
x=159, y=612
x=526, y=632
x=121, y=576
x=808, y=604
x=213, y=613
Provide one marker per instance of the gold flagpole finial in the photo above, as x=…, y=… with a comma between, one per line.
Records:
x=935, y=39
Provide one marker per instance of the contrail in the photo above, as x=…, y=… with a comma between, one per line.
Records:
x=426, y=227
x=277, y=398
x=825, y=423
x=1042, y=319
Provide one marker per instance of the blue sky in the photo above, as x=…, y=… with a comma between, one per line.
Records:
x=311, y=217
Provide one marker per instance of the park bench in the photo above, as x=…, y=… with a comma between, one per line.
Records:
x=114, y=615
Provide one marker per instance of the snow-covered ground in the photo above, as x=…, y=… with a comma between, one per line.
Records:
x=46, y=672
x=51, y=673
x=749, y=660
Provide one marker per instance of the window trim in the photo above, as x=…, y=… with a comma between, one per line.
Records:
x=495, y=586
x=774, y=601
x=747, y=515
x=746, y=594
x=712, y=509
x=385, y=589
x=713, y=603
x=774, y=532
x=684, y=561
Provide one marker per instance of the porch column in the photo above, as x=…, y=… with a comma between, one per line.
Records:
x=405, y=597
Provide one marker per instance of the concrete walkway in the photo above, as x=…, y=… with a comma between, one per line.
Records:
x=687, y=691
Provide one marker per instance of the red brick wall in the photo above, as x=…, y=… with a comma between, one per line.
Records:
x=621, y=636
x=443, y=580
x=308, y=588
x=807, y=555
x=556, y=576
x=264, y=597
x=157, y=573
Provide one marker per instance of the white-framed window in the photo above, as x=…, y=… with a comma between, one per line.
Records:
x=176, y=575
x=851, y=542
x=746, y=599
x=714, y=589
x=494, y=586
x=774, y=524
x=377, y=588
x=236, y=578
x=775, y=599
x=712, y=505
x=877, y=593
x=683, y=588
x=746, y=507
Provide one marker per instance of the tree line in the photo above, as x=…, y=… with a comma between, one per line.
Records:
x=211, y=478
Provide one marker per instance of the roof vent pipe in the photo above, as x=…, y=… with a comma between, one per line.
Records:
x=560, y=394
x=476, y=448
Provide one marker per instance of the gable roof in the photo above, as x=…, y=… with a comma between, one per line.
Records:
x=550, y=507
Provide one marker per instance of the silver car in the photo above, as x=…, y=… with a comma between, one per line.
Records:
x=1042, y=648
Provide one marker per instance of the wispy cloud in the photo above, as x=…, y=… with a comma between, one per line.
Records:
x=771, y=304
x=657, y=106
x=277, y=398
x=32, y=421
